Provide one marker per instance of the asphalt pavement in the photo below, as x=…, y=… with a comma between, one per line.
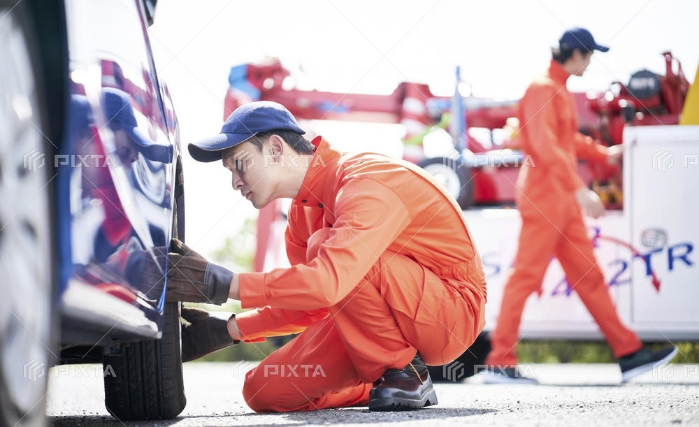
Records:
x=568, y=395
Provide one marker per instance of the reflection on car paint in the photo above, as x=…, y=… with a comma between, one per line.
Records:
x=121, y=170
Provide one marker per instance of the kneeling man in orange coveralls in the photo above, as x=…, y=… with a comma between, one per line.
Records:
x=385, y=278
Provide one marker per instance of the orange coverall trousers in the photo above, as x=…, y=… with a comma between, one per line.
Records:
x=555, y=228
x=333, y=362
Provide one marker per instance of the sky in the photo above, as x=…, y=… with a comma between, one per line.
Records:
x=361, y=46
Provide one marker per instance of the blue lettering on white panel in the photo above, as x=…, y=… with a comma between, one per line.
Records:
x=672, y=256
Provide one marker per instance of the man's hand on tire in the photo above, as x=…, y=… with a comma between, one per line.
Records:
x=192, y=278
x=203, y=334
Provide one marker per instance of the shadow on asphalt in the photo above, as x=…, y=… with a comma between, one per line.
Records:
x=105, y=420
x=620, y=385
x=325, y=416
x=364, y=416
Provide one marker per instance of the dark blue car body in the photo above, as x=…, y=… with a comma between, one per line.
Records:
x=92, y=191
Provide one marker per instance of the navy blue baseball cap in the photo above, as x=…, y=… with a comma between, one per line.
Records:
x=580, y=38
x=120, y=115
x=245, y=122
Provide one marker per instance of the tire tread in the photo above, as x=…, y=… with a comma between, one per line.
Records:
x=147, y=383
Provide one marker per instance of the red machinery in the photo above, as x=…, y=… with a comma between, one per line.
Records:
x=649, y=99
x=411, y=104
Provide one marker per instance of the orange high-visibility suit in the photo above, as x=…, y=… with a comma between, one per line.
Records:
x=383, y=265
x=552, y=222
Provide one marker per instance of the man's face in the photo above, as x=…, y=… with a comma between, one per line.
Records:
x=582, y=61
x=251, y=174
x=125, y=148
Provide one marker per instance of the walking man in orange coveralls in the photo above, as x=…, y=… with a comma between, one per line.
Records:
x=550, y=201
x=385, y=278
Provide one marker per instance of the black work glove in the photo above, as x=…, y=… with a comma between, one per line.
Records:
x=194, y=279
x=203, y=334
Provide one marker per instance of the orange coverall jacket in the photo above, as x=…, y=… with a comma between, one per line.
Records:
x=549, y=134
x=373, y=204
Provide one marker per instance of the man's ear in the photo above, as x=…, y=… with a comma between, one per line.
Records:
x=276, y=145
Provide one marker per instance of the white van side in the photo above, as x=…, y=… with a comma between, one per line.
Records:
x=648, y=250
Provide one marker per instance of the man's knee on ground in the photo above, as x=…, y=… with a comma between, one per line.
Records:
x=265, y=393
x=259, y=393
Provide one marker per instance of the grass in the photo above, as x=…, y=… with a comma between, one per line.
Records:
x=590, y=352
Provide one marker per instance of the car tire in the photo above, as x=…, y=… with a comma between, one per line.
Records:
x=144, y=380
x=27, y=240
x=454, y=176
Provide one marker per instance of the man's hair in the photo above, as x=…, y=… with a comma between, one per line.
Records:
x=295, y=140
x=564, y=52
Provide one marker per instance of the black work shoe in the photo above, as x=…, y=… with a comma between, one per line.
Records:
x=643, y=360
x=404, y=389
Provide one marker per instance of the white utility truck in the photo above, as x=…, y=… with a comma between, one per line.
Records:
x=647, y=250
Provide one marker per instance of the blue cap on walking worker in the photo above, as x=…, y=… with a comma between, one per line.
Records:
x=245, y=122
x=580, y=38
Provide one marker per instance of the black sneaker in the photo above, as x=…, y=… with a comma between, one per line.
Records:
x=404, y=389
x=499, y=375
x=643, y=360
